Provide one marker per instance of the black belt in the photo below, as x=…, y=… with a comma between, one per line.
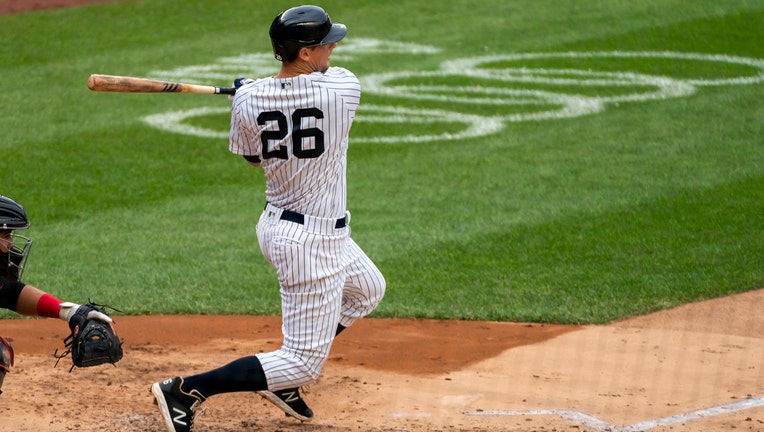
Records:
x=289, y=215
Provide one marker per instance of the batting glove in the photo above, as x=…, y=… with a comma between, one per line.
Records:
x=68, y=310
x=238, y=82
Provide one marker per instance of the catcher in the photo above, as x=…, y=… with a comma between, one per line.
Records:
x=92, y=341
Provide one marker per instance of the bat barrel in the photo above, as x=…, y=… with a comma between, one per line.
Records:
x=124, y=84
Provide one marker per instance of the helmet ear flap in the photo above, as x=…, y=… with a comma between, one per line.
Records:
x=278, y=51
x=285, y=51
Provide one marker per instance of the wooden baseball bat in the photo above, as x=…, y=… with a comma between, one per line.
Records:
x=124, y=84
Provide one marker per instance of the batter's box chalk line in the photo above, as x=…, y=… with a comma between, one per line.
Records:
x=597, y=424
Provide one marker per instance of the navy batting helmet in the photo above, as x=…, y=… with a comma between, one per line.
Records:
x=300, y=27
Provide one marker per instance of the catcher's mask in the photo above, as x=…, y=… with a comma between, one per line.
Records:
x=16, y=257
x=6, y=359
x=16, y=247
x=301, y=27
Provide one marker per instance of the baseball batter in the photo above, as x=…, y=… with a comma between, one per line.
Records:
x=295, y=126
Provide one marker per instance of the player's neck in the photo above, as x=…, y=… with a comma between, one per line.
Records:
x=295, y=68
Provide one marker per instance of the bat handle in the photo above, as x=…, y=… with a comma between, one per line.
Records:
x=225, y=90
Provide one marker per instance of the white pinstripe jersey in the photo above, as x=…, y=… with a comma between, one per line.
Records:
x=299, y=128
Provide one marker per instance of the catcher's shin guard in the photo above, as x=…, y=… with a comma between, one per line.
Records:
x=6, y=359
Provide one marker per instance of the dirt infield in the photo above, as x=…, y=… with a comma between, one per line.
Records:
x=694, y=368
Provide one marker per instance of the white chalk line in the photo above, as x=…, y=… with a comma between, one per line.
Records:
x=482, y=72
x=595, y=423
x=473, y=125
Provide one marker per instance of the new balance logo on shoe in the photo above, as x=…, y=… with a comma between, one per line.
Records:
x=175, y=405
x=180, y=417
x=290, y=396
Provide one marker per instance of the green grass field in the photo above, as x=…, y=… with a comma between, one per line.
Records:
x=546, y=161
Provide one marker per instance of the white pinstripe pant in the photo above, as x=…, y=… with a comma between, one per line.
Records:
x=326, y=279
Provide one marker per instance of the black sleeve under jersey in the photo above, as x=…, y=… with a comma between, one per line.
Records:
x=9, y=293
x=252, y=159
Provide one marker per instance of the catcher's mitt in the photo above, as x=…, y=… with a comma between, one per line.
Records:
x=93, y=341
